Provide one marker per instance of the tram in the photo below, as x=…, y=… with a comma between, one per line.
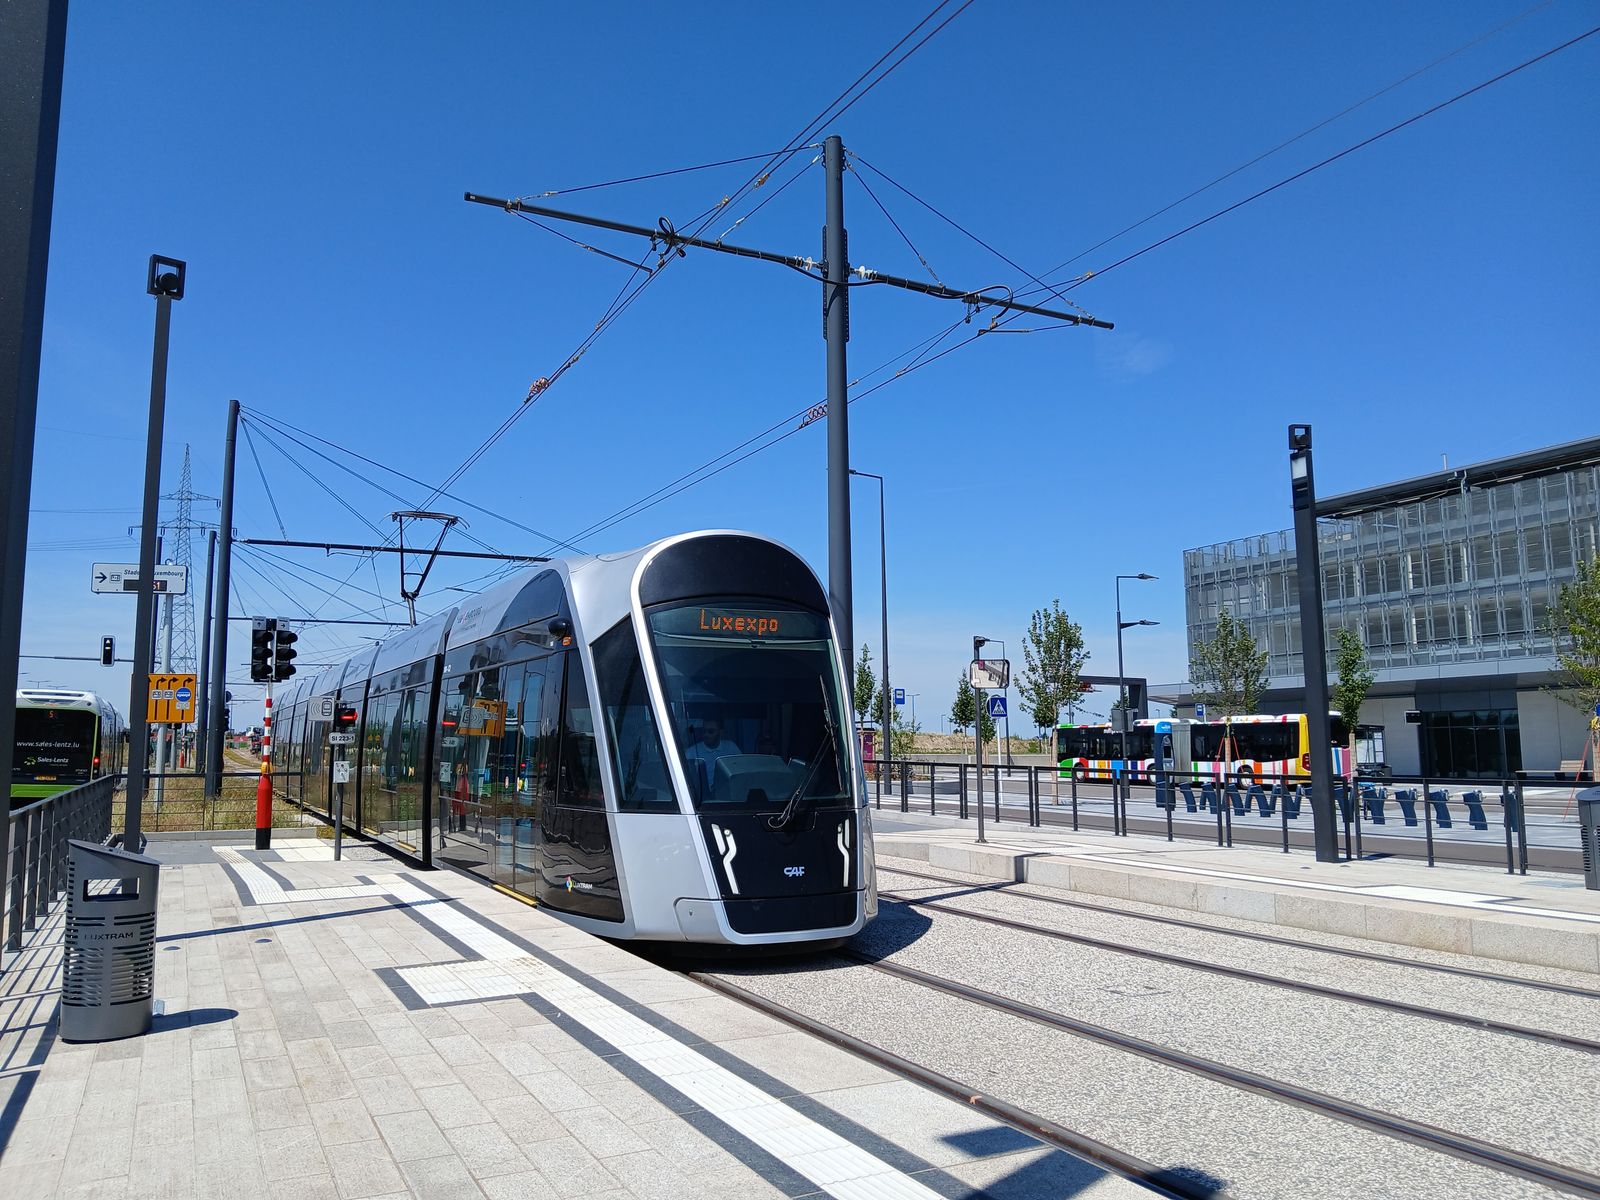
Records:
x=63, y=739
x=653, y=745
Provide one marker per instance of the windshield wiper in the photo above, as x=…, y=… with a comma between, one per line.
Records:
x=830, y=733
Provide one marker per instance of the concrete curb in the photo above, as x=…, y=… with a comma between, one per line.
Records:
x=1508, y=937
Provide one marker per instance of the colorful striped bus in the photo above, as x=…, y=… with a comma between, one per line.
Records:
x=1244, y=749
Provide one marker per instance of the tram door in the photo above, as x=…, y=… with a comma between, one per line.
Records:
x=578, y=867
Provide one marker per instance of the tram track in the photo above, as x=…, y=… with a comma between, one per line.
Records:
x=1482, y=1153
x=1159, y=1180
x=1005, y=888
x=1566, y=1041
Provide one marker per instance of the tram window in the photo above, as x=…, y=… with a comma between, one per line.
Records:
x=580, y=767
x=754, y=701
x=636, y=753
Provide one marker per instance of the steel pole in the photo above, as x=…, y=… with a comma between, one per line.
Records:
x=143, y=633
x=219, y=651
x=836, y=330
x=1308, y=566
x=164, y=732
x=35, y=37
x=883, y=603
x=1122, y=698
x=977, y=740
x=201, y=725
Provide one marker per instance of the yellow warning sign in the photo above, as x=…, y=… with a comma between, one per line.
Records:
x=172, y=700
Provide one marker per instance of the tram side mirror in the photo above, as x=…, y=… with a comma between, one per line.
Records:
x=561, y=629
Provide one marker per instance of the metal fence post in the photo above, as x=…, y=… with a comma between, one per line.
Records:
x=1074, y=802
x=997, y=792
x=17, y=873
x=962, y=789
x=1283, y=811
x=1506, y=801
x=905, y=786
x=1355, y=800
x=34, y=839
x=1522, y=831
x=1225, y=803
x=1166, y=789
x=1427, y=815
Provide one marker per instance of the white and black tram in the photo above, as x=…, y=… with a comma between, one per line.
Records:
x=652, y=744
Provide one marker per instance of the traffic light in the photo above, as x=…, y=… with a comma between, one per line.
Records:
x=344, y=716
x=282, y=652
x=261, y=630
x=108, y=651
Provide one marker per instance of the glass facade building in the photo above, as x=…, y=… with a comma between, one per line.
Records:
x=1448, y=581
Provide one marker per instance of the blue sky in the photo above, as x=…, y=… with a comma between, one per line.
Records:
x=1433, y=293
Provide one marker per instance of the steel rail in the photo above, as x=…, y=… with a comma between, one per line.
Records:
x=1457, y=1145
x=1566, y=1041
x=1002, y=887
x=1160, y=1180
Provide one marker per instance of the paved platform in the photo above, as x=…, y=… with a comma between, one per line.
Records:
x=358, y=1029
x=1543, y=919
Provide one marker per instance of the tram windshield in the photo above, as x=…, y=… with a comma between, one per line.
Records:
x=754, y=697
x=54, y=744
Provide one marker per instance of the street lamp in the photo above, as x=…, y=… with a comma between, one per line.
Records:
x=883, y=578
x=1122, y=680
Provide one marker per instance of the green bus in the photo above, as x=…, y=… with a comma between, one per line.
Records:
x=63, y=739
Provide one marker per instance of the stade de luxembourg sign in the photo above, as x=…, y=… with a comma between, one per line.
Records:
x=171, y=579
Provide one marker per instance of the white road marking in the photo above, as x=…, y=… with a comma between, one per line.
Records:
x=837, y=1166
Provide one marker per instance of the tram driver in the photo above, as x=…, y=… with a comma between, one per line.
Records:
x=702, y=756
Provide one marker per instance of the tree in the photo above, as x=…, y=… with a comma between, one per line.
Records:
x=965, y=710
x=1229, y=672
x=1053, y=658
x=865, y=686
x=904, y=735
x=1350, y=688
x=1575, y=626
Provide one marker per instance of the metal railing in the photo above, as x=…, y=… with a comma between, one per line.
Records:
x=1483, y=821
x=37, y=873
x=183, y=806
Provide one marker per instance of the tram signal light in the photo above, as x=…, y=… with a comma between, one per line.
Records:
x=282, y=654
x=344, y=715
x=108, y=651
x=261, y=631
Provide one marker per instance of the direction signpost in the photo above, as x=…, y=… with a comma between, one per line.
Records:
x=169, y=700
x=169, y=579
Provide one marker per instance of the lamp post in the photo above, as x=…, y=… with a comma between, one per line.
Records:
x=1122, y=677
x=883, y=594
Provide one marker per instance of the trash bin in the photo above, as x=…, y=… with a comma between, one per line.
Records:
x=108, y=973
x=1589, y=832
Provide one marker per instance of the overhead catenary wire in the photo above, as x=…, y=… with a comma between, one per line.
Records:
x=635, y=287
x=1332, y=158
x=1303, y=134
x=266, y=487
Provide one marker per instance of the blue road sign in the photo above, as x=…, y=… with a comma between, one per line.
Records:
x=183, y=696
x=899, y=695
x=997, y=706
x=1199, y=712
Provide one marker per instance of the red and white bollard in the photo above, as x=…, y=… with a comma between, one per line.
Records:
x=264, y=784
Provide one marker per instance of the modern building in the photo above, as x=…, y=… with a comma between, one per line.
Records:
x=1448, y=579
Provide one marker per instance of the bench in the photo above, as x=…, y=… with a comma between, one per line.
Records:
x=1188, y=796
x=1208, y=798
x=1372, y=801
x=1475, y=815
x=1440, y=799
x=1406, y=798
